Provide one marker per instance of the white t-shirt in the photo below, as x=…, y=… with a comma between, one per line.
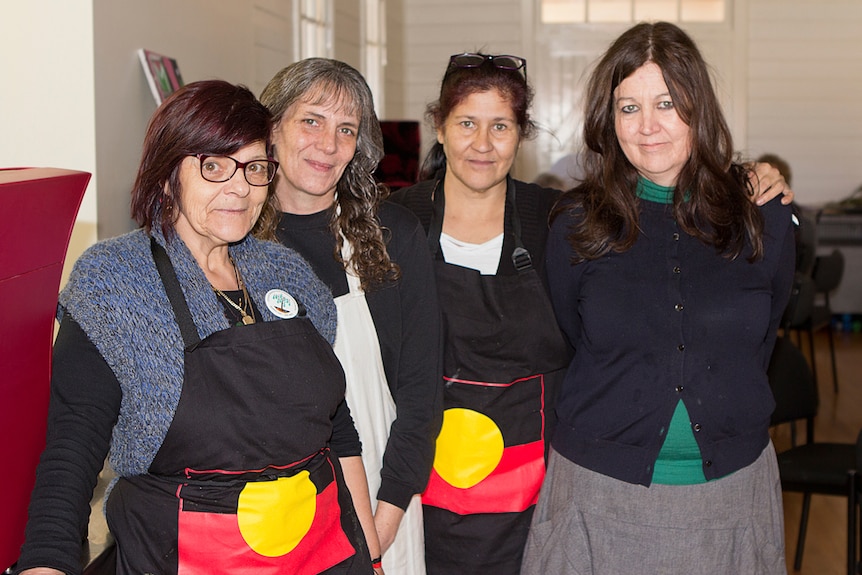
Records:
x=483, y=257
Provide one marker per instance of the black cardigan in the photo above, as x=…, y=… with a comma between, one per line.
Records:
x=668, y=320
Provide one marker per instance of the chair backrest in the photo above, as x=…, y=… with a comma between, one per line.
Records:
x=828, y=271
x=792, y=384
x=801, y=303
x=806, y=240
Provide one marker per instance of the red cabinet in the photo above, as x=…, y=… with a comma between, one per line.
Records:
x=39, y=208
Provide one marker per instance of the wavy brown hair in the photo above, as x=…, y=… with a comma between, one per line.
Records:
x=712, y=194
x=208, y=117
x=358, y=194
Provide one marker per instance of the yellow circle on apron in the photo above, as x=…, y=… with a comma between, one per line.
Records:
x=469, y=447
x=274, y=516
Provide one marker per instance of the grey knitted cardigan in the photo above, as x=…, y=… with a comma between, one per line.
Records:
x=116, y=295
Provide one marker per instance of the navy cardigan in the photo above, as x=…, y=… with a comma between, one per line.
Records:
x=668, y=320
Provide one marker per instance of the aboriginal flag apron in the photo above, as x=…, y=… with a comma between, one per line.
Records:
x=504, y=358
x=244, y=481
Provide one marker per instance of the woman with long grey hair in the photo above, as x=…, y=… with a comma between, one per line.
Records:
x=373, y=256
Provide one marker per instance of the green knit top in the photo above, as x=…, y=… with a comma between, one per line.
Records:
x=679, y=461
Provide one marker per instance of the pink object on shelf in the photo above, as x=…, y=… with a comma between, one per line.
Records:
x=40, y=206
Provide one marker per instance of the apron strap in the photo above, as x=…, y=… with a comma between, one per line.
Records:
x=435, y=226
x=175, y=294
x=354, y=284
x=521, y=258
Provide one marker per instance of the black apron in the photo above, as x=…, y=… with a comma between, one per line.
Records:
x=244, y=481
x=504, y=357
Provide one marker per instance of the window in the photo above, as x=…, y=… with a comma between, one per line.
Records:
x=315, y=28
x=629, y=11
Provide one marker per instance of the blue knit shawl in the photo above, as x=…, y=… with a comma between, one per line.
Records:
x=116, y=295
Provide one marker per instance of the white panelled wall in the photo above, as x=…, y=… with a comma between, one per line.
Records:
x=805, y=92
x=348, y=37
x=47, y=117
x=436, y=29
x=793, y=76
x=241, y=41
x=791, y=69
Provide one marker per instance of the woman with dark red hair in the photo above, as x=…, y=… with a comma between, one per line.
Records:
x=201, y=356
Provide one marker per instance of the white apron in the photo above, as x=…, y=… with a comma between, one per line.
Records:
x=373, y=411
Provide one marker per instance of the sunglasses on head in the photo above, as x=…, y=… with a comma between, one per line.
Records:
x=503, y=62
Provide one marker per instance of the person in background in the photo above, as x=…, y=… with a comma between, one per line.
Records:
x=669, y=283
x=805, y=229
x=504, y=355
x=779, y=164
x=372, y=256
x=549, y=180
x=201, y=356
x=569, y=169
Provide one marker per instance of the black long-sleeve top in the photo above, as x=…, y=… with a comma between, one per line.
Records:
x=407, y=321
x=668, y=320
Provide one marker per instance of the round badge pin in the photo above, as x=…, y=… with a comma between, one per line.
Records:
x=282, y=304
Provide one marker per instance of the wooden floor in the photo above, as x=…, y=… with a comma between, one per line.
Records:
x=839, y=419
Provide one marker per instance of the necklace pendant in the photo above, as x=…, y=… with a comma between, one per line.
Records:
x=247, y=319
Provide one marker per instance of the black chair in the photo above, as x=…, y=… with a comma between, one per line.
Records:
x=805, y=233
x=811, y=467
x=827, y=274
x=856, y=506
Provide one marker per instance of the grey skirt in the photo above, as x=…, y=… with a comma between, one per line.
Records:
x=589, y=524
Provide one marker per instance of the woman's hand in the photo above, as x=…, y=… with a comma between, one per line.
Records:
x=387, y=518
x=768, y=182
x=354, y=477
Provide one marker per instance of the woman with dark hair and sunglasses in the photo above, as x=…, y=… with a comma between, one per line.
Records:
x=503, y=353
x=201, y=356
x=504, y=356
x=372, y=255
x=661, y=459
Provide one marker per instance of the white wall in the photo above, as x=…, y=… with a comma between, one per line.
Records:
x=75, y=97
x=435, y=29
x=796, y=86
x=240, y=41
x=805, y=92
x=347, y=25
x=396, y=62
x=47, y=115
x=273, y=40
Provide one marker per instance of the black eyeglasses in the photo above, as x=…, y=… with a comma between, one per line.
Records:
x=504, y=62
x=222, y=168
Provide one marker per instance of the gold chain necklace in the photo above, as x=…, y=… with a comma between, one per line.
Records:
x=244, y=310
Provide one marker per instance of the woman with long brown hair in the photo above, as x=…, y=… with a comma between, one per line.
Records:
x=670, y=283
